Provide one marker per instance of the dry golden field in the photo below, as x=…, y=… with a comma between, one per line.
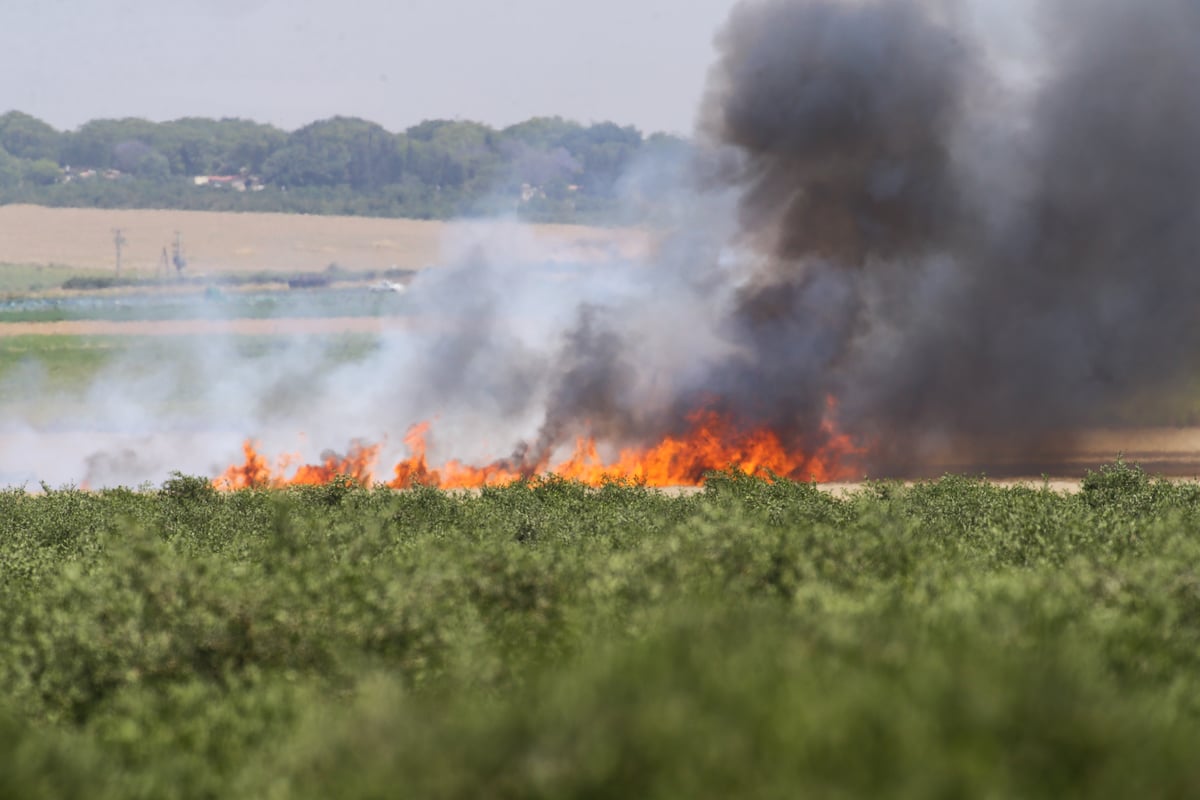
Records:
x=224, y=242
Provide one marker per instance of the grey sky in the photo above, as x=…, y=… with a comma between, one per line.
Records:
x=289, y=62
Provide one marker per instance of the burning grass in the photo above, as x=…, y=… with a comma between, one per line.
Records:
x=711, y=444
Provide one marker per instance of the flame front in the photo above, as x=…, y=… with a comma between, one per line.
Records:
x=711, y=443
x=256, y=472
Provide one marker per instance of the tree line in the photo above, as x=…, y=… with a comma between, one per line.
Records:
x=543, y=169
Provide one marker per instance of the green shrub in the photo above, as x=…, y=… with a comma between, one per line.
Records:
x=188, y=487
x=759, y=638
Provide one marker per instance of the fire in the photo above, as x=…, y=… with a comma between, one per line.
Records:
x=256, y=472
x=711, y=443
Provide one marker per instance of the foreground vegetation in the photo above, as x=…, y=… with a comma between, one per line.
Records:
x=546, y=640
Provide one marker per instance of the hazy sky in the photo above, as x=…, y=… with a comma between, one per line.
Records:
x=290, y=62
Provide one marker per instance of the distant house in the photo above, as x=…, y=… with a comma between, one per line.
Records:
x=238, y=183
x=77, y=175
x=530, y=193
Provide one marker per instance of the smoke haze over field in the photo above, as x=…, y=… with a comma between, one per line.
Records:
x=972, y=257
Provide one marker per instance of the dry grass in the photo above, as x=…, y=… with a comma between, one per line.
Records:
x=230, y=242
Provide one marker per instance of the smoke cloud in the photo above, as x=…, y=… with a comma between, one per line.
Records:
x=975, y=248
x=957, y=253
x=976, y=256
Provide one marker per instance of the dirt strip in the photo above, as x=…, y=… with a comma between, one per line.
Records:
x=195, y=327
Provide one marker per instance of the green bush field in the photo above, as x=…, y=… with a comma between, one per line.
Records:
x=759, y=638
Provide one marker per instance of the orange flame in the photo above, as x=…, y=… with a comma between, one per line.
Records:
x=711, y=443
x=255, y=473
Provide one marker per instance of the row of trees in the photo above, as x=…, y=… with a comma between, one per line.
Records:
x=544, y=168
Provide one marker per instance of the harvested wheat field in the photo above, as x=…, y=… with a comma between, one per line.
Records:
x=232, y=242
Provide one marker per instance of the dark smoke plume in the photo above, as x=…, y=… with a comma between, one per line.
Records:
x=974, y=266
x=844, y=116
x=948, y=260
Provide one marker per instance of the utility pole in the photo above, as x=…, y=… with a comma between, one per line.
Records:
x=118, y=240
x=177, y=258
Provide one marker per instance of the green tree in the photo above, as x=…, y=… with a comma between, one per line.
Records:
x=542, y=133
x=605, y=150
x=10, y=170
x=199, y=146
x=94, y=144
x=27, y=137
x=137, y=157
x=41, y=172
x=335, y=152
x=345, y=165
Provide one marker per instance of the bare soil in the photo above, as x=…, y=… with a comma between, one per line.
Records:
x=1160, y=450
